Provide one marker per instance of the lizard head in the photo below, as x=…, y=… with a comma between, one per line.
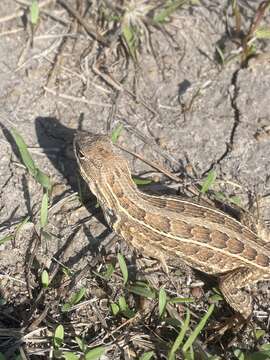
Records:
x=96, y=159
x=92, y=152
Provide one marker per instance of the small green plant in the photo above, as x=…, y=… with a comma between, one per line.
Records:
x=209, y=181
x=44, y=210
x=122, y=308
x=247, y=40
x=145, y=290
x=142, y=289
x=259, y=333
x=166, y=10
x=235, y=200
x=58, y=340
x=58, y=336
x=162, y=301
x=116, y=133
x=135, y=17
x=133, y=24
x=123, y=267
x=73, y=300
x=107, y=274
x=88, y=354
x=255, y=31
x=45, y=279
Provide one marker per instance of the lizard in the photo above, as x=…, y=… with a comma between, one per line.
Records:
x=173, y=229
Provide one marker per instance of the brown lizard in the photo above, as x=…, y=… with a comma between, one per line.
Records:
x=171, y=229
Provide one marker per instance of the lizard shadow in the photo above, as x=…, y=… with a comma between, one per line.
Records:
x=56, y=140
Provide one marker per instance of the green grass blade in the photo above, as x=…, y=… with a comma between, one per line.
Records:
x=122, y=303
x=81, y=343
x=142, y=290
x=177, y=300
x=189, y=355
x=259, y=333
x=43, y=179
x=129, y=34
x=123, y=267
x=167, y=10
x=178, y=341
x=115, y=309
x=29, y=163
x=6, y=238
x=34, y=12
x=25, y=154
x=162, y=301
x=262, y=33
x=45, y=278
x=116, y=133
x=209, y=181
x=106, y=275
x=58, y=336
x=198, y=329
x=44, y=210
x=220, y=54
x=77, y=297
x=147, y=356
x=73, y=300
x=22, y=223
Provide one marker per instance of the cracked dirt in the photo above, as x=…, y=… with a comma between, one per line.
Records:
x=179, y=107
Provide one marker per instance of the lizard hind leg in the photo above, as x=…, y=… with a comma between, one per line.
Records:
x=231, y=287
